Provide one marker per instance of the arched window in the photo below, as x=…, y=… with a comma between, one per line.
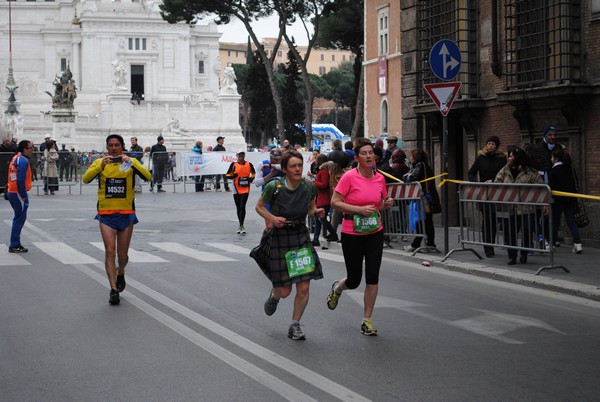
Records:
x=384, y=116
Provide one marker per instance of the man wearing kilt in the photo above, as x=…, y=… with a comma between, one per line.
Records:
x=292, y=256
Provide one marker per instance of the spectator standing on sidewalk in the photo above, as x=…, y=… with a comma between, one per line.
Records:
x=562, y=178
x=338, y=155
x=242, y=174
x=19, y=183
x=517, y=170
x=64, y=161
x=392, y=145
x=72, y=174
x=136, y=151
x=487, y=164
x=323, y=201
x=51, y=158
x=159, y=157
x=33, y=163
x=220, y=148
x=420, y=171
x=198, y=179
x=116, y=208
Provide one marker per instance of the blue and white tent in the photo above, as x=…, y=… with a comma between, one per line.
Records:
x=326, y=131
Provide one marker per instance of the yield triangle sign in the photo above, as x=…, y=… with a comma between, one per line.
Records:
x=443, y=95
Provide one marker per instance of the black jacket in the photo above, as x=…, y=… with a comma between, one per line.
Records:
x=339, y=157
x=161, y=157
x=219, y=148
x=419, y=172
x=487, y=166
x=562, y=178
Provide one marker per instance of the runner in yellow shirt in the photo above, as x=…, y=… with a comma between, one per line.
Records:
x=116, y=208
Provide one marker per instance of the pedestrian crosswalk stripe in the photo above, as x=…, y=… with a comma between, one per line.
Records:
x=230, y=248
x=134, y=255
x=330, y=256
x=190, y=252
x=8, y=259
x=65, y=253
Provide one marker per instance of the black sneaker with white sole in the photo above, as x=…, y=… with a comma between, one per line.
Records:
x=114, y=298
x=121, y=283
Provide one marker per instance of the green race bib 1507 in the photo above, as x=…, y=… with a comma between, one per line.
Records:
x=366, y=224
x=300, y=262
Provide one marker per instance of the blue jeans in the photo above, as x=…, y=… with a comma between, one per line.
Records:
x=20, y=207
x=323, y=222
x=569, y=211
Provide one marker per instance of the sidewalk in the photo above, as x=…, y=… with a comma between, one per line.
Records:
x=582, y=281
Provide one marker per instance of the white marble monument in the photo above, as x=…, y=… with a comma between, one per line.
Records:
x=135, y=73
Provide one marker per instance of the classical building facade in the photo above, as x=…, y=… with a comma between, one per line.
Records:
x=382, y=59
x=135, y=74
x=321, y=60
x=525, y=65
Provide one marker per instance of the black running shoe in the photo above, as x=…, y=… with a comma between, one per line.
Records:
x=19, y=249
x=271, y=305
x=114, y=299
x=121, y=283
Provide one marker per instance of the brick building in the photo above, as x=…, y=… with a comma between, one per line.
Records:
x=525, y=65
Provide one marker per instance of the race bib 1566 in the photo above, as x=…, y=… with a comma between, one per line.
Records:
x=366, y=224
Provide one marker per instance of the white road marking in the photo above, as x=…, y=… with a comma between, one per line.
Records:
x=261, y=376
x=8, y=259
x=65, y=253
x=230, y=248
x=134, y=255
x=330, y=256
x=190, y=252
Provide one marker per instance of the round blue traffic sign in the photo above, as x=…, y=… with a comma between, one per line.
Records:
x=445, y=59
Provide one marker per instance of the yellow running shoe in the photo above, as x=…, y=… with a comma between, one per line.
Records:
x=367, y=328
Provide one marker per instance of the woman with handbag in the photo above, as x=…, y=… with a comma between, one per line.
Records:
x=420, y=171
x=293, y=259
x=50, y=169
x=562, y=178
x=522, y=218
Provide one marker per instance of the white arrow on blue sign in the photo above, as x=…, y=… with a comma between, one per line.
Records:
x=445, y=59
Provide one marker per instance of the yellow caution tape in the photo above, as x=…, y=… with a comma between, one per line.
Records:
x=443, y=182
x=389, y=176
x=576, y=195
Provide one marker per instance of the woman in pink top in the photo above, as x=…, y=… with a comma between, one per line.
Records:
x=361, y=194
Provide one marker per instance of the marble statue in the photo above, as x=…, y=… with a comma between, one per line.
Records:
x=228, y=85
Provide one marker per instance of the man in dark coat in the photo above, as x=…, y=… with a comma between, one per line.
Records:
x=541, y=153
x=487, y=164
x=159, y=156
x=220, y=148
x=338, y=156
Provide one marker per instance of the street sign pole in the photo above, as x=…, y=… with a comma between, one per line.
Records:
x=445, y=62
x=445, y=187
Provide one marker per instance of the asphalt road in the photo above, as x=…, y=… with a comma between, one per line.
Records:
x=191, y=325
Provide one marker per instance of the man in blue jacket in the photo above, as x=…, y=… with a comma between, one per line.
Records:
x=19, y=182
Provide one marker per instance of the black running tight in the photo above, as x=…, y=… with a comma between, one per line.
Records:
x=356, y=248
x=240, y=204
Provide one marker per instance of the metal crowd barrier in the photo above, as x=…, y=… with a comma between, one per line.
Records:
x=397, y=220
x=511, y=216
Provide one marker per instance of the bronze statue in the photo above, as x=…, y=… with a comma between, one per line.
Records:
x=65, y=90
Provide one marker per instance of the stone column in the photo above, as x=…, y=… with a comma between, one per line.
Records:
x=63, y=125
x=120, y=111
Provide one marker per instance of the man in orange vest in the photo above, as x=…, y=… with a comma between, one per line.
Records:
x=19, y=183
x=242, y=173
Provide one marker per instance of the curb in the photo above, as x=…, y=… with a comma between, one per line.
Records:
x=519, y=278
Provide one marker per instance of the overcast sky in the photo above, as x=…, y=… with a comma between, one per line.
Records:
x=267, y=28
